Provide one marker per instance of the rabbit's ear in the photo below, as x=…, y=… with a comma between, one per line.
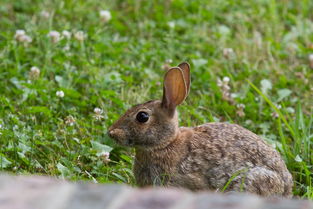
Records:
x=186, y=71
x=174, y=90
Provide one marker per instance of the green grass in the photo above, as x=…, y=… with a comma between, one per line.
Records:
x=120, y=63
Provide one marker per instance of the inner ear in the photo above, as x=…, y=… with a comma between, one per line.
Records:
x=174, y=90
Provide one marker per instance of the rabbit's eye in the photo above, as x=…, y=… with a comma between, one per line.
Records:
x=142, y=117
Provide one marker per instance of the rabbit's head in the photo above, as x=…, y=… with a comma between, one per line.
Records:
x=154, y=123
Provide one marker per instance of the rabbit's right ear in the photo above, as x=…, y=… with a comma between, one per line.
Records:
x=174, y=90
x=186, y=71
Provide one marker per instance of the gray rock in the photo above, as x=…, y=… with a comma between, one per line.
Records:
x=38, y=192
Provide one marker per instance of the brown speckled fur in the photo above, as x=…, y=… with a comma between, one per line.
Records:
x=200, y=158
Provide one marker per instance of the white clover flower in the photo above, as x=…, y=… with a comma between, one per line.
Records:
x=66, y=34
x=169, y=61
x=98, y=113
x=228, y=53
x=45, y=14
x=35, y=69
x=80, y=36
x=226, y=79
x=19, y=33
x=26, y=39
x=225, y=88
x=34, y=73
x=60, y=94
x=105, y=157
x=20, y=36
x=241, y=106
x=98, y=110
x=105, y=15
x=54, y=35
x=240, y=111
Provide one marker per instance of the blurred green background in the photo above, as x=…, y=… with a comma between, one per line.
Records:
x=115, y=57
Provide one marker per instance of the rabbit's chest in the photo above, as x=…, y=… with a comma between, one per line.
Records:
x=151, y=173
x=155, y=169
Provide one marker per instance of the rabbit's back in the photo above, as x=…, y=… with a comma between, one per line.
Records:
x=228, y=154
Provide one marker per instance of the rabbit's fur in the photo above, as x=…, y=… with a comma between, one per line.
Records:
x=216, y=156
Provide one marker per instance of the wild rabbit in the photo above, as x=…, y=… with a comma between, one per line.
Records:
x=213, y=156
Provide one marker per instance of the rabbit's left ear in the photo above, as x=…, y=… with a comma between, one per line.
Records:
x=186, y=71
x=174, y=90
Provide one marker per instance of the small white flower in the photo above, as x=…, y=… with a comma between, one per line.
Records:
x=241, y=106
x=80, y=36
x=171, y=24
x=225, y=88
x=1, y=126
x=60, y=94
x=19, y=33
x=66, y=34
x=34, y=73
x=105, y=15
x=228, y=52
x=45, y=14
x=54, y=35
x=298, y=159
x=105, y=157
x=226, y=79
x=21, y=36
x=98, y=111
x=35, y=69
x=26, y=39
x=240, y=112
x=169, y=61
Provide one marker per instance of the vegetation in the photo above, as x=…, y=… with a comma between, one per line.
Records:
x=78, y=65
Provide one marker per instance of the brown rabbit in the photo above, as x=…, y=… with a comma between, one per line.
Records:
x=216, y=156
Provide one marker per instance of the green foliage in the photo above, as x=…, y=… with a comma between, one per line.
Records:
x=121, y=63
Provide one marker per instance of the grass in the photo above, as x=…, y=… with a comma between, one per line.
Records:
x=121, y=63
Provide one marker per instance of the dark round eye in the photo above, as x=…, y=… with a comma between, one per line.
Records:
x=142, y=117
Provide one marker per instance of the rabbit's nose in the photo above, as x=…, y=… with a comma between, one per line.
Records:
x=111, y=133
x=115, y=133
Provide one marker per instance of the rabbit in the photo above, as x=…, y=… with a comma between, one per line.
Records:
x=213, y=156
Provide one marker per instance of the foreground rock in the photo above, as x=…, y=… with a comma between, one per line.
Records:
x=35, y=192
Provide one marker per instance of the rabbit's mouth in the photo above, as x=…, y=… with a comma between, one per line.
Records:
x=125, y=142
x=120, y=137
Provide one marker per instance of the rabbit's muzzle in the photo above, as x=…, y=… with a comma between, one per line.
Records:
x=119, y=136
